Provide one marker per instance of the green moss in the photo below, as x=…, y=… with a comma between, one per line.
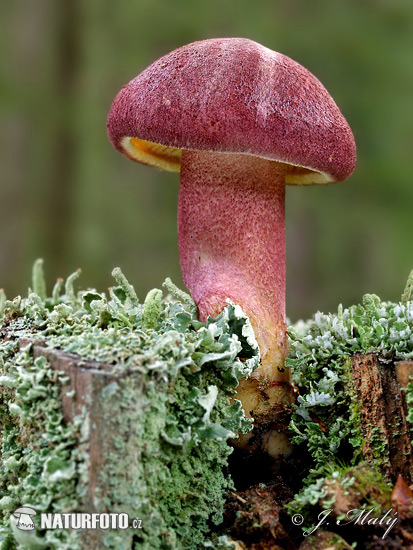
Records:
x=370, y=484
x=168, y=408
x=363, y=485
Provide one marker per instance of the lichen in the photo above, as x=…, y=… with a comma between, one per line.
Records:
x=39, y=459
x=170, y=409
x=342, y=489
x=326, y=417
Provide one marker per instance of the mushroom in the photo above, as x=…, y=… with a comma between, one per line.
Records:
x=239, y=122
x=24, y=518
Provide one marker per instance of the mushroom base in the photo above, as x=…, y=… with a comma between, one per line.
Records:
x=232, y=245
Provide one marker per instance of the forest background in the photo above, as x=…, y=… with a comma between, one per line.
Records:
x=67, y=196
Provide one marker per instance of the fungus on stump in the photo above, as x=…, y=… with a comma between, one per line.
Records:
x=239, y=122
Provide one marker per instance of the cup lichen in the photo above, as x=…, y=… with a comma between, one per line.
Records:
x=170, y=409
x=326, y=418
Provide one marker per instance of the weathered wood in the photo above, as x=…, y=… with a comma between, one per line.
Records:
x=83, y=375
x=404, y=372
x=380, y=391
x=84, y=394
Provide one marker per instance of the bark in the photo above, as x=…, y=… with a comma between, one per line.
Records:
x=84, y=392
x=379, y=389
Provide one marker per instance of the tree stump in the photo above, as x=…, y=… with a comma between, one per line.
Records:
x=380, y=387
x=86, y=392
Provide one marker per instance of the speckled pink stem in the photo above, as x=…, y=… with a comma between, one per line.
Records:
x=231, y=232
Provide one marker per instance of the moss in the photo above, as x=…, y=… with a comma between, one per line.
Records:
x=169, y=407
x=373, y=490
x=342, y=489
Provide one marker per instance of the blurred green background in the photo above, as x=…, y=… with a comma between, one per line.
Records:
x=67, y=196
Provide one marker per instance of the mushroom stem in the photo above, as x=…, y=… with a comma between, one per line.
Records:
x=231, y=230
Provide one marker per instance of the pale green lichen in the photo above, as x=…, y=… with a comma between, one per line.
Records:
x=319, y=352
x=180, y=295
x=38, y=279
x=152, y=308
x=33, y=440
x=408, y=290
x=2, y=301
x=125, y=286
x=169, y=408
x=326, y=418
x=70, y=294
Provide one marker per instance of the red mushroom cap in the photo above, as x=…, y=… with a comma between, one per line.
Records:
x=233, y=95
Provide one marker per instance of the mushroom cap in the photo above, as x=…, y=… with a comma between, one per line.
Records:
x=24, y=510
x=233, y=95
